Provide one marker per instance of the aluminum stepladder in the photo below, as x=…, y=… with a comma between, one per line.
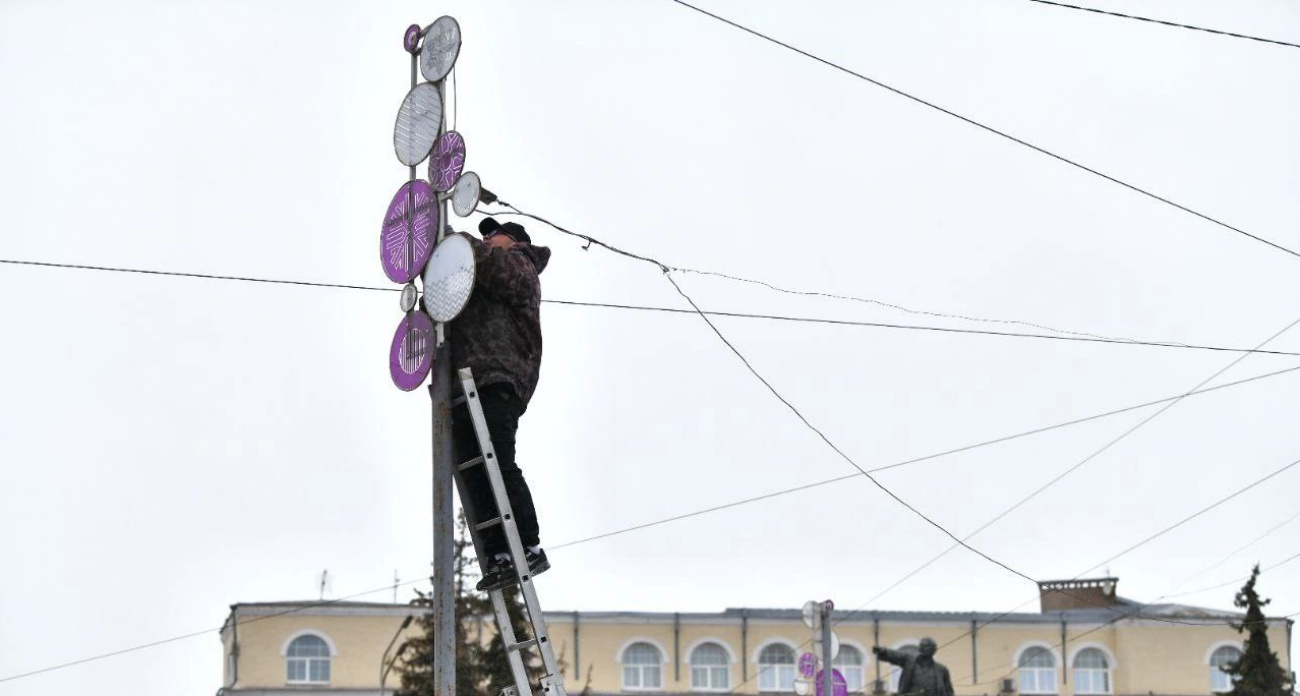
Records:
x=552, y=681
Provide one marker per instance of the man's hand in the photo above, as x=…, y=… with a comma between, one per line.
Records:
x=876, y=650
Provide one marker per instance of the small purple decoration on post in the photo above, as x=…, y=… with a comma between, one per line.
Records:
x=412, y=38
x=807, y=664
x=447, y=161
x=408, y=233
x=411, y=354
x=839, y=685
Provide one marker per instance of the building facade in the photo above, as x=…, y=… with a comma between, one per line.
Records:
x=1085, y=640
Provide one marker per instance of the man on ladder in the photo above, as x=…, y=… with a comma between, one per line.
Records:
x=498, y=336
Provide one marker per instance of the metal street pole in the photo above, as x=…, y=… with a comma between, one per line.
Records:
x=444, y=538
x=828, y=679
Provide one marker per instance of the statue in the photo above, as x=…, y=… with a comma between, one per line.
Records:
x=921, y=676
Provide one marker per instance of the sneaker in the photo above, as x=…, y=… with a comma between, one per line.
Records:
x=500, y=574
x=537, y=563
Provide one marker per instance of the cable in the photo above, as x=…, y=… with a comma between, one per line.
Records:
x=1055, y=479
x=1230, y=582
x=916, y=460
x=1234, y=552
x=990, y=129
x=195, y=634
x=743, y=315
x=1168, y=24
x=667, y=272
x=868, y=300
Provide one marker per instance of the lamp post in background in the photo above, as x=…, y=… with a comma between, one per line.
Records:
x=384, y=663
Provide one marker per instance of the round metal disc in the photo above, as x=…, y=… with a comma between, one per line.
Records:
x=417, y=124
x=408, y=297
x=441, y=46
x=411, y=354
x=447, y=161
x=449, y=278
x=409, y=230
x=464, y=196
x=411, y=39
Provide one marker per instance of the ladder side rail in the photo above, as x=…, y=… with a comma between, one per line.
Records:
x=533, y=606
x=508, y=638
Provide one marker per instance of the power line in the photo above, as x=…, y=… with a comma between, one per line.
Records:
x=195, y=634
x=990, y=129
x=1230, y=582
x=1234, y=552
x=1078, y=337
x=1166, y=23
x=667, y=272
x=918, y=460
x=1081, y=463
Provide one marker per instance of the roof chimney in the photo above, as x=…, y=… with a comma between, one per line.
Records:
x=1086, y=593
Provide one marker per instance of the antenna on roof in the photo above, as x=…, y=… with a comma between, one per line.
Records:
x=326, y=585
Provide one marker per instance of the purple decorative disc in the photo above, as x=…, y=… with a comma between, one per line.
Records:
x=412, y=38
x=410, y=226
x=447, y=161
x=807, y=664
x=411, y=354
x=839, y=685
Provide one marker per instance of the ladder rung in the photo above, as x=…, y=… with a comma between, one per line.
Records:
x=524, y=644
x=490, y=523
x=473, y=462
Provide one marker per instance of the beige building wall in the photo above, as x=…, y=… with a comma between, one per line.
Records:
x=1146, y=657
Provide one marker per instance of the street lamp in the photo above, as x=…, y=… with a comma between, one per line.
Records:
x=384, y=663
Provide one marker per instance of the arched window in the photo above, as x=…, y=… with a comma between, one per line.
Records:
x=1091, y=672
x=308, y=660
x=643, y=668
x=1221, y=681
x=849, y=663
x=896, y=673
x=776, y=668
x=1037, y=671
x=710, y=668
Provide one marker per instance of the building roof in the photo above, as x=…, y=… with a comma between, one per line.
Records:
x=1124, y=607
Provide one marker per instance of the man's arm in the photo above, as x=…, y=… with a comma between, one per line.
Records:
x=893, y=657
x=509, y=276
x=947, y=683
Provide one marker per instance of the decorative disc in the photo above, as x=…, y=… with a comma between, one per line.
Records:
x=441, y=46
x=449, y=278
x=464, y=196
x=411, y=355
x=447, y=161
x=408, y=297
x=410, y=228
x=417, y=125
x=412, y=38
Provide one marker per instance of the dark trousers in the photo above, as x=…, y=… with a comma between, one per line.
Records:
x=501, y=411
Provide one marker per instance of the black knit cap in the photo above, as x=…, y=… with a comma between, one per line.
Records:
x=513, y=230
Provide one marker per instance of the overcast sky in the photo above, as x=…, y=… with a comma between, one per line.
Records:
x=173, y=446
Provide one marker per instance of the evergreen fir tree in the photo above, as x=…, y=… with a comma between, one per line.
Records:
x=481, y=669
x=1258, y=672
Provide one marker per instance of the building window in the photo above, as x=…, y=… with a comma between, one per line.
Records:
x=1221, y=681
x=1091, y=672
x=643, y=668
x=710, y=668
x=308, y=660
x=849, y=663
x=776, y=668
x=1037, y=671
x=896, y=673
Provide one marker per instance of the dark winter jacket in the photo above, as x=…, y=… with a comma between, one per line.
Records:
x=499, y=333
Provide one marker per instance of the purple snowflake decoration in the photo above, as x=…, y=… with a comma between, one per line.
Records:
x=447, y=161
x=411, y=38
x=408, y=232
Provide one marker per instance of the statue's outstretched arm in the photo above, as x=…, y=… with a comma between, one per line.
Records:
x=893, y=657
